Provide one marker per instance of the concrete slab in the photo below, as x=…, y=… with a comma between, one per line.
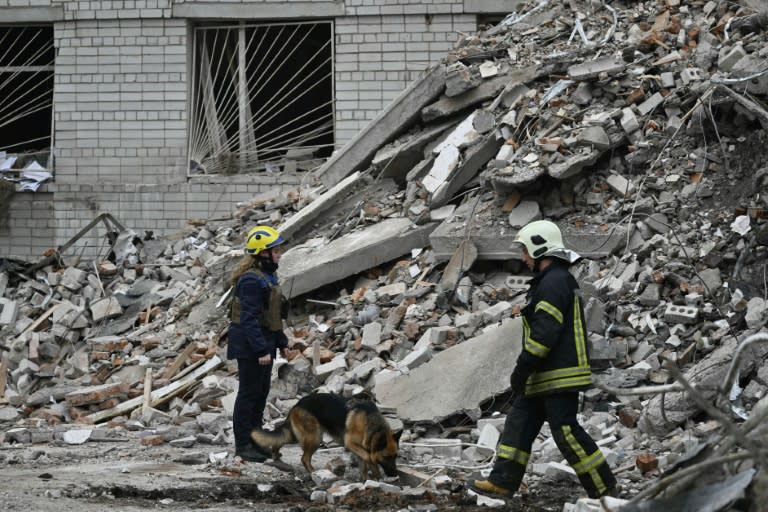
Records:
x=399, y=114
x=475, y=158
x=493, y=236
x=488, y=89
x=456, y=379
x=396, y=160
x=316, y=207
x=592, y=69
x=316, y=263
x=574, y=164
x=461, y=261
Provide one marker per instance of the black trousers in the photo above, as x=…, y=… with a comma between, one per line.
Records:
x=251, y=399
x=523, y=424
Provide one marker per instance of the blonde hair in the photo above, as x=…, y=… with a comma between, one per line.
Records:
x=245, y=264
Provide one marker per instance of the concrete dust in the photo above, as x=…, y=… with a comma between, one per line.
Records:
x=93, y=478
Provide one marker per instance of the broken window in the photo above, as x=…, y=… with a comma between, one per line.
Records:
x=262, y=96
x=26, y=97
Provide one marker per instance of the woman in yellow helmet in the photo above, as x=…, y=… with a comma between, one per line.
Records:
x=255, y=334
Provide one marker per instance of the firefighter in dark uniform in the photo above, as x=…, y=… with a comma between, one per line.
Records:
x=551, y=370
x=255, y=334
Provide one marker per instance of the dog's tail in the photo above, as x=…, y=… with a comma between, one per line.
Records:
x=274, y=439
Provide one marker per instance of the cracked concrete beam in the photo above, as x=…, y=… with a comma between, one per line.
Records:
x=309, y=266
x=358, y=152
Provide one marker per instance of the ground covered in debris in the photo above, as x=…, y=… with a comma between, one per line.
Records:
x=639, y=127
x=125, y=477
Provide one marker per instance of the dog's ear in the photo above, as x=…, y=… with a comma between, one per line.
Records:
x=397, y=435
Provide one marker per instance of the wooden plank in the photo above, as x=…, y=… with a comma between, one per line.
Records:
x=3, y=376
x=147, y=389
x=34, y=325
x=180, y=359
x=160, y=395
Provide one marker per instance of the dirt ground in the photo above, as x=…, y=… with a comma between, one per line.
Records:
x=127, y=477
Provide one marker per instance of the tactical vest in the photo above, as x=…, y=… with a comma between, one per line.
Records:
x=271, y=317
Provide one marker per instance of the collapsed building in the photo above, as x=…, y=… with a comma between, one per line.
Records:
x=192, y=106
x=637, y=129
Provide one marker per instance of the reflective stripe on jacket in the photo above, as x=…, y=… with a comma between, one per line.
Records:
x=554, y=351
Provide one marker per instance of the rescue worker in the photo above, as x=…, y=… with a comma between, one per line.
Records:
x=255, y=334
x=552, y=368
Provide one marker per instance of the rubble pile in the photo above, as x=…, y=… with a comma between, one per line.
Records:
x=638, y=127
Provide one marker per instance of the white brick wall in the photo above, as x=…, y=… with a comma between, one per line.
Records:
x=121, y=99
x=37, y=222
x=377, y=56
x=120, y=108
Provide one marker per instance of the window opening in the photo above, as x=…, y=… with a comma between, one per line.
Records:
x=27, y=57
x=262, y=96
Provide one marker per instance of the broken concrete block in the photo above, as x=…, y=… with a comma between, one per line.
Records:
x=748, y=66
x=105, y=308
x=415, y=358
x=445, y=163
x=459, y=79
x=455, y=377
x=73, y=279
x=756, y=310
x=675, y=314
x=434, y=336
x=490, y=88
x=494, y=313
x=668, y=80
x=8, y=311
x=337, y=363
x=504, y=156
x=651, y=295
x=558, y=471
x=489, y=436
x=651, y=104
x=442, y=213
x=620, y=184
x=729, y=57
x=363, y=370
x=573, y=165
x=464, y=135
x=594, y=136
x=372, y=334
x=474, y=159
x=688, y=75
x=95, y=394
x=594, y=314
x=629, y=121
x=592, y=69
x=77, y=436
x=582, y=95
x=523, y=213
x=488, y=69
x=484, y=121
x=9, y=414
x=307, y=267
x=517, y=282
x=658, y=222
x=514, y=95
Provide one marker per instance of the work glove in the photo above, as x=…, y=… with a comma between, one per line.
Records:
x=517, y=380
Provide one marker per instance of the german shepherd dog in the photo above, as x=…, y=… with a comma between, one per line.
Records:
x=357, y=425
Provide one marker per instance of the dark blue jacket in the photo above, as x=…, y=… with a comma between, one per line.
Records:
x=555, y=354
x=248, y=339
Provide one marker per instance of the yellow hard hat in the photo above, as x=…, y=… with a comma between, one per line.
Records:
x=260, y=238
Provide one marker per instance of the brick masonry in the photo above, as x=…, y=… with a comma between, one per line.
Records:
x=120, y=105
